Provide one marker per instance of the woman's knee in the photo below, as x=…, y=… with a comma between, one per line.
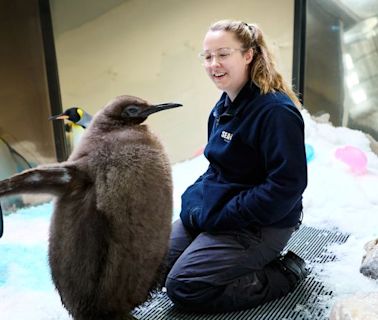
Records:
x=177, y=291
x=170, y=286
x=189, y=294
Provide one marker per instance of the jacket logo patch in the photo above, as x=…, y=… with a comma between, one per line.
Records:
x=226, y=136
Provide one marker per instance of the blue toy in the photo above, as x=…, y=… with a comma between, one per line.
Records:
x=310, y=153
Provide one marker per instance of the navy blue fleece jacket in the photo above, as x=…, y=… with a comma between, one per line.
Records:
x=257, y=170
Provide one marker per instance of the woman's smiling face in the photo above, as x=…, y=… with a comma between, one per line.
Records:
x=226, y=62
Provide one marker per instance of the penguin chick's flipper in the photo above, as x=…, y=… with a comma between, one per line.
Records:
x=48, y=179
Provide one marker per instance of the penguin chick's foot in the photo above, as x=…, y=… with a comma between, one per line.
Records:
x=49, y=179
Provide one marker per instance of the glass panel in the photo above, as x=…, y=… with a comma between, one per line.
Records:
x=26, y=136
x=361, y=76
x=341, y=74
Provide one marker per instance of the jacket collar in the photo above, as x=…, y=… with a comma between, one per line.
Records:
x=228, y=108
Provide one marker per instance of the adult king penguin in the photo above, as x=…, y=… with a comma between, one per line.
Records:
x=76, y=121
x=112, y=217
x=75, y=115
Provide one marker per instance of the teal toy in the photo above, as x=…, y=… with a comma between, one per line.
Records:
x=310, y=153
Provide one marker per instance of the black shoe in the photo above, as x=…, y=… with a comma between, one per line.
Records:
x=295, y=265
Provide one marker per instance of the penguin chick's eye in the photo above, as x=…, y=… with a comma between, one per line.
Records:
x=130, y=111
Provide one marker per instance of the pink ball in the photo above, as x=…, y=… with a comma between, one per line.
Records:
x=353, y=157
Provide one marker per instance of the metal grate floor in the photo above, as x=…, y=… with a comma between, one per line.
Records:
x=309, y=243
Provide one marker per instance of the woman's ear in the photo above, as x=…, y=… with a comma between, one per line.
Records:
x=248, y=55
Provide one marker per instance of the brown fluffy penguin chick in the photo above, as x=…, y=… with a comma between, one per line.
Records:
x=112, y=217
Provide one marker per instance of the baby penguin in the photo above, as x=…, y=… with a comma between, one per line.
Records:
x=111, y=223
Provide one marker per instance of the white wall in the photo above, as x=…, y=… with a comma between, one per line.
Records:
x=149, y=49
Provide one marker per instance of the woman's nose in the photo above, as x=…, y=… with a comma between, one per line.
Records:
x=215, y=61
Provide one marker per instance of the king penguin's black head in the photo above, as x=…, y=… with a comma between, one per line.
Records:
x=132, y=110
x=72, y=114
x=75, y=115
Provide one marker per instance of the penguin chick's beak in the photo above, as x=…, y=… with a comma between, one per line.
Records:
x=158, y=107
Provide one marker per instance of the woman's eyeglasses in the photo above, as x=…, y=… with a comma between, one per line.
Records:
x=221, y=55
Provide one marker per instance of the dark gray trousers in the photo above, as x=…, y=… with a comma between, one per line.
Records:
x=226, y=271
